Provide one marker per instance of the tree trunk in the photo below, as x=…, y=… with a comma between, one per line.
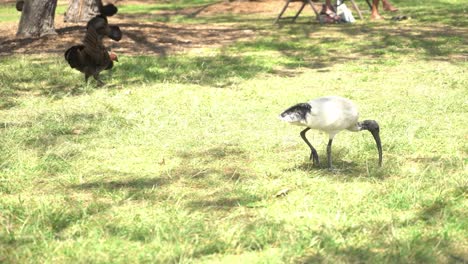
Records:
x=82, y=10
x=37, y=18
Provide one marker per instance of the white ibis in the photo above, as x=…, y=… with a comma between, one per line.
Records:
x=329, y=114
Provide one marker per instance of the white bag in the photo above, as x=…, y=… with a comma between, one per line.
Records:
x=345, y=13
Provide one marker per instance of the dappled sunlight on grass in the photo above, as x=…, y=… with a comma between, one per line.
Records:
x=167, y=160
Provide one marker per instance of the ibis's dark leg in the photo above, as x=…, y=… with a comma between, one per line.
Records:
x=313, y=153
x=329, y=153
x=86, y=77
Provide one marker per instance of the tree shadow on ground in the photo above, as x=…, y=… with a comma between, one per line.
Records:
x=52, y=217
x=132, y=181
x=55, y=138
x=205, y=158
x=224, y=202
x=347, y=169
x=208, y=30
x=227, y=193
x=220, y=70
x=297, y=52
x=386, y=246
x=134, y=186
x=212, y=188
x=43, y=76
x=11, y=44
x=379, y=41
x=50, y=129
x=138, y=39
x=299, y=46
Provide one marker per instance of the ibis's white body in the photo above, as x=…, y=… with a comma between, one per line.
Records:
x=330, y=114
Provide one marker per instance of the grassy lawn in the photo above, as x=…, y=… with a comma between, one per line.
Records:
x=179, y=157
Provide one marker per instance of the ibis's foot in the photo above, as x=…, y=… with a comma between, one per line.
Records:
x=314, y=158
x=316, y=163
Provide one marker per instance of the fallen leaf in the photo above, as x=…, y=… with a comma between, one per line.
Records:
x=282, y=192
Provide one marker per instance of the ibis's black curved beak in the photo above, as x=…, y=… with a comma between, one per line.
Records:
x=376, y=135
x=374, y=128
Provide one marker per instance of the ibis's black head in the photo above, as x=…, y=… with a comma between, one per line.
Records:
x=370, y=125
x=374, y=128
x=296, y=114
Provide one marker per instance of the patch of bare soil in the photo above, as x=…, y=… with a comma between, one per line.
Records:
x=146, y=38
x=138, y=38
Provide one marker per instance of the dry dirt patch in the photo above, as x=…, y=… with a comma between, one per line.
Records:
x=139, y=38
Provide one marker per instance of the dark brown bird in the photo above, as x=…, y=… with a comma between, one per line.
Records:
x=91, y=57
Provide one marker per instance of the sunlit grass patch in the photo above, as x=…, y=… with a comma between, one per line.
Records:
x=8, y=13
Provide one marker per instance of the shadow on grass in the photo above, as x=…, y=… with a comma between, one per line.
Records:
x=378, y=41
x=138, y=38
x=347, y=168
x=56, y=137
x=54, y=79
x=38, y=76
x=236, y=199
x=244, y=54
x=195, y=172
x=134, y=184
x=296, y=52
x=385, y=246
x=227, y=194
x=233, y=172
x=330, y=244
x=220, y=71
x=445, y=12
x=51, y=217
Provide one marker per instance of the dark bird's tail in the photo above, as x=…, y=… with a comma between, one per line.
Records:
x=72, y=56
